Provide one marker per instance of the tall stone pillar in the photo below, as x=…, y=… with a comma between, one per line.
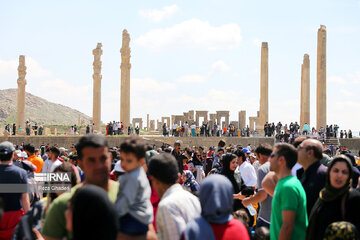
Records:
x=97, y=52
x=264, y=96
x=20, y=119
x=242, y=119
x=321, y=79
x=125, y=80
x=305, y=92
x=147, y=122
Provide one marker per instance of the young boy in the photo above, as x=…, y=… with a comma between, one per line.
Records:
x=133, y=200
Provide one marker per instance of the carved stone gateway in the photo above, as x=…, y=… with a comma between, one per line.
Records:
x=321, y=79
x=158, y=125
x=97, y=52
x=264, y=101
x=305, y=92
x=189, y=117
x=220, y=114
x=20, y=120
x=199, y=114
x=139, y=121
x=125, y=80
x=167, y=120
x=152, y=125
x=252, y=123
x=212, y=121
x=178, y=119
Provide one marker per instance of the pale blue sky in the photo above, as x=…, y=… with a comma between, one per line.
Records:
x=186, y=55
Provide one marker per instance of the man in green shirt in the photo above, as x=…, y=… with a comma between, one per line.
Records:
x=288, y=216
x=95, y=161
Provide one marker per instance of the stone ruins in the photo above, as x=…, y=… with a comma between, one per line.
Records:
x=97, y=52
x=264, y=95
x=255, y=122
x=20, y=120
x=305, y=92
x=321, y=79
x=125, y=80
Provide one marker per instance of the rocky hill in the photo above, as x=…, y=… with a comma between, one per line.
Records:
x=37, y=110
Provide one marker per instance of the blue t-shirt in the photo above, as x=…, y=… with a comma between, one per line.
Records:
x=10, y=174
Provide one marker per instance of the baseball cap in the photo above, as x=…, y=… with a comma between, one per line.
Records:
x=245, y=150
x=6, y=148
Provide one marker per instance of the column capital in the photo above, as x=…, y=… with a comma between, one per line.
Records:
x=21, y=82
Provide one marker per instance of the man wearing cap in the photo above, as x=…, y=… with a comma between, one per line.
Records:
x=16, y=202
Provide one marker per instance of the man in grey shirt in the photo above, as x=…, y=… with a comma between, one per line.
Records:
x=263, y=152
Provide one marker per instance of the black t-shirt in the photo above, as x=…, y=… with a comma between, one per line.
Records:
x=10, y=174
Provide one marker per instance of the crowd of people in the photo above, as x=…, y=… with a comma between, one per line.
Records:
x=282, y=133
x=133, y=191
x=13, y=130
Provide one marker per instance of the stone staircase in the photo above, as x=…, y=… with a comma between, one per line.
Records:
x=332, y=141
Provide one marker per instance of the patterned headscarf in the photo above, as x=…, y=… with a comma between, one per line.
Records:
x=341, y=230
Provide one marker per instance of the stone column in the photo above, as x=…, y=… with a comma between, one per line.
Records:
x=197, y=119
x=264, y=96
x=321, y=79
x=97, y=52
x=242, y=119
x=125, y=80
x=20, y=119
x=251, y=123
x=305, y=92
x=147, y=122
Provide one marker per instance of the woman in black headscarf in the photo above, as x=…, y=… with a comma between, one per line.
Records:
x=336, y=202
x=91, y=215
x=230, y=164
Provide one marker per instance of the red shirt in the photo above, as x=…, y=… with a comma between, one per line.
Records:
x=234, y=229
x=230, y=230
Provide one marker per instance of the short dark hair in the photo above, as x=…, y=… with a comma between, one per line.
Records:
x=134, y=145
x=113, y=154
x=92, y=141
x=221, y=143
x=6, y=157
x=67, y=167
x=164, y=168
x=264, y=149
x=299, y=140
x=30, y=148
x=74, y=157
x=288, y=152
x=55, y=151
x=240, y=153
x=317, y=151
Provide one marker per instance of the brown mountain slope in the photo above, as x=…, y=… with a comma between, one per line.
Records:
x=37, y=110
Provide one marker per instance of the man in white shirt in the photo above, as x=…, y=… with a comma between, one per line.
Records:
x=177, y=207
x=54, y=154
x=246, y=170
